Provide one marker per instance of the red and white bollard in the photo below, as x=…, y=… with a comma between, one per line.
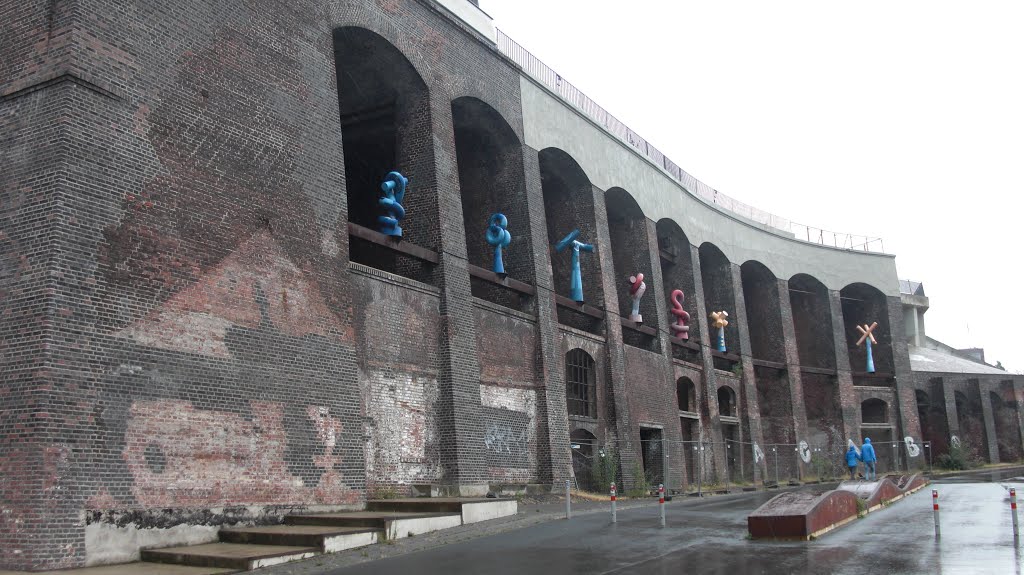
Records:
x=935, y=510
x=661, y=502
x=614, y=517
x=1013, y=511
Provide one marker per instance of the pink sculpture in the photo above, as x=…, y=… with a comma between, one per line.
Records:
x=681, y=327
x=637, y=287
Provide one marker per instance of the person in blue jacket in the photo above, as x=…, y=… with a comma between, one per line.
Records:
x=867, y=455
x=852, y=457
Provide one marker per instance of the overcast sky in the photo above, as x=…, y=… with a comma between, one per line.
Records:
x=903, y=120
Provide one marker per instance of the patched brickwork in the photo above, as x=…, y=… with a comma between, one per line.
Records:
x=191, y=336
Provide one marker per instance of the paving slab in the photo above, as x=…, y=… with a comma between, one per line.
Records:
x=139, y=568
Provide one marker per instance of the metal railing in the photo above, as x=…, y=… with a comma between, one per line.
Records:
x=571, y=94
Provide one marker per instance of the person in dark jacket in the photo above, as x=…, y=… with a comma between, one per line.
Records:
x=852, y=457
x=867, y=455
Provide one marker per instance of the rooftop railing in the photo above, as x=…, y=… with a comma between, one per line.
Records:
x=548, y=77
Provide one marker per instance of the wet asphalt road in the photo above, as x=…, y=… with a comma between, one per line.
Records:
x=708, y=536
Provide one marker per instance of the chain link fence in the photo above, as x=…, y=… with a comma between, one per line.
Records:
x=732, y=465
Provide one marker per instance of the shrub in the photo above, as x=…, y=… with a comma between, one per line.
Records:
x=605, y=470
x=956, y=459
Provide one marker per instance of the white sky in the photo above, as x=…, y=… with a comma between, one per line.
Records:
x=903, y=120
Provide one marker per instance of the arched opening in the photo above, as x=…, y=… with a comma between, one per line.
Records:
x=969, y=416
x=727, y=401
x=584, y=449
x=812, y=320
x=677, y=274
x=874, y=411
x=627, y=230
x=924, y=412
x=686, y=395
x=491, y=181
x=1004, y=414
x=385, y=126
x=812, y=323
x=569, y=205
x=863, y=305
x=716, y=276
x=580, y=384
x=764, y=321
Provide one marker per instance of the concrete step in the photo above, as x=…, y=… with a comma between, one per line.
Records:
x=327, y=538
x=394, y=524
x=472, y=510
x=229, y=555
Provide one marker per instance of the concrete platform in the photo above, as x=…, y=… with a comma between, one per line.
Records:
x=472, y=510
x=229, y=555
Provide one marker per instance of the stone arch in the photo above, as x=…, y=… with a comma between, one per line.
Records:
x=686, y=395
x=627, y=231
x=491, y=180
x=874, y=410
x=764, y=319
x=385, y=116
x=727, y=404
x=674, y=251
x=866, y=304
x=812, y=321
x=569, y=205
x=716, y=275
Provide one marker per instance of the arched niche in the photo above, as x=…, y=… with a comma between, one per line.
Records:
x=569, y=205
x=764, y=320
x=874, y=410
x=1004, y=415
x=384, y=106
x=686, y=395
x=727, y=402
x=716, y=275
x=491, y=181
x=677, y=272
x=627, y=230
x=812, y=321
x=863, y=305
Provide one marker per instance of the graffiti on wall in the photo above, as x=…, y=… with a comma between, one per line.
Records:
x=506, y=437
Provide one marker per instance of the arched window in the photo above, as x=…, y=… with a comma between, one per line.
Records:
x=726, y=401
x=580, y=386
x=874, y=411
x=686, y=394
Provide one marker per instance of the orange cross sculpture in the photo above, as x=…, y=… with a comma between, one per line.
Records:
x=865, y=331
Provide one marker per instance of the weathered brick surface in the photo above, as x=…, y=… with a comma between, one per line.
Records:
x=188, y=335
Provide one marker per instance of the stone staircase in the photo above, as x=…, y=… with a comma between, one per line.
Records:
x=303, y=536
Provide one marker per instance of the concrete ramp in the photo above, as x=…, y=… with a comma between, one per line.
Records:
x=886, y=490
x=802, y=515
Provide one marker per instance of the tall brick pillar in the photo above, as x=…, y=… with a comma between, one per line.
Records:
x=753, y=411
x=553, y=452
x=910, y=424
x=990, y=423
x=844, y=376
x=673, y=436
x=626, y=432
x=458, y=413
x=711, y=419
x=796, y=388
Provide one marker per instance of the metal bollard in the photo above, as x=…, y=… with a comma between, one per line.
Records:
x=614, y=516
x=1013, y=511
x=661, y=502
x=935, y=511
x=568, y=501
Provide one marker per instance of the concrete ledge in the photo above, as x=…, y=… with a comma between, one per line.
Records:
x=493, y=509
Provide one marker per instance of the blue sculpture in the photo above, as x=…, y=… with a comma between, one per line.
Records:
x=576, y=284
x=499, y=237
x=394, y=192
